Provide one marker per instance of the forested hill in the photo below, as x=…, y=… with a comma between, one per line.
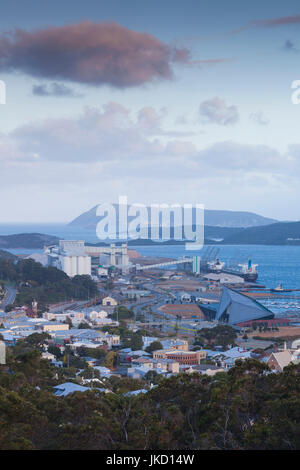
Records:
x=7, y=255
x=246, y=408
x=218, y=218
x=282, y=233
x=45, y=284
x=27, y=240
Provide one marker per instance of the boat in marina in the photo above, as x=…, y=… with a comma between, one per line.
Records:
x=279, y=288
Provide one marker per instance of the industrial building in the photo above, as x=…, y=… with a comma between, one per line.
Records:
x=70, y=257
x=75, y=258
x=110, y=256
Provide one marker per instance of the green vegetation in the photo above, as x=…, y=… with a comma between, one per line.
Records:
x=27, y=240
x=46, y=285
x=221, y=335
x=244, y=408
x=112, y=360
x=154, y=346
x=282, y=233
x=122, y=313
x=95, y=353
x=7, y=255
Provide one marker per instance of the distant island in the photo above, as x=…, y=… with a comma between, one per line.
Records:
x=280, y=233
x=27, y=240
x=215, y=218
x=7, y=255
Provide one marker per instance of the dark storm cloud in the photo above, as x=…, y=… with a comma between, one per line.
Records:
x=91, y=53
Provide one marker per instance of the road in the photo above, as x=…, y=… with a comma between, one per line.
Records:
x=9, y=297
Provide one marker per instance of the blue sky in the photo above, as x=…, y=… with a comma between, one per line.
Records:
x=198, y=110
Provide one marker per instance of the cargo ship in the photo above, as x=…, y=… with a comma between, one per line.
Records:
x=247, y=271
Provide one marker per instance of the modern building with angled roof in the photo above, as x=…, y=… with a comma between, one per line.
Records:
x=235, y=308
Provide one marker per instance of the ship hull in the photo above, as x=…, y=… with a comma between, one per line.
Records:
x=249, y=277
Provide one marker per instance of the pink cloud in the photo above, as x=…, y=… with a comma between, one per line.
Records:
x=90, y=53
x=284, y=20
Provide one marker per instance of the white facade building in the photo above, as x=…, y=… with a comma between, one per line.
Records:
x=70, y=257
x=74, y=258
x=196, y=264
x=2, y=353
x=94, y=315
x=74, y=265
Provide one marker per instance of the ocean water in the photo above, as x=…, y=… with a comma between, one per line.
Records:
x=275, y=263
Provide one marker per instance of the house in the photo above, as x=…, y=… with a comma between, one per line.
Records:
x=184, y=297
x=104, y=371
x=94, y=315
x=180, y=344
x=136, y=392
x=62, y=317
x=49, y=356
x=109, y=301
x=66, y=388
x=236, y=353
x=141, y=371
x=295, y=344
x=135, y=293
x=51, y=326
x=278, y=361
x=141, y=361
x=163, y=364
x=91, y=361
x=147, y=340
x=204, y=369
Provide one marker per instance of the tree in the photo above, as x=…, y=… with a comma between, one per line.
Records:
x=136, y=342
x=153, y=377
x=122, y=313
x=68, y=321
x=83, y=325
x=223, y=335
x=154, y=346
x=9, y=308
x=112, y=359
x=52, y=349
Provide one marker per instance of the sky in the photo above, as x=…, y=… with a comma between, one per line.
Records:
x=162, y=102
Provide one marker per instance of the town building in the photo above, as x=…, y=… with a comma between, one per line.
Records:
x=62, y=317
x=182, y=357
x=279, y=360
x=2, y=352
x=109, y=301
